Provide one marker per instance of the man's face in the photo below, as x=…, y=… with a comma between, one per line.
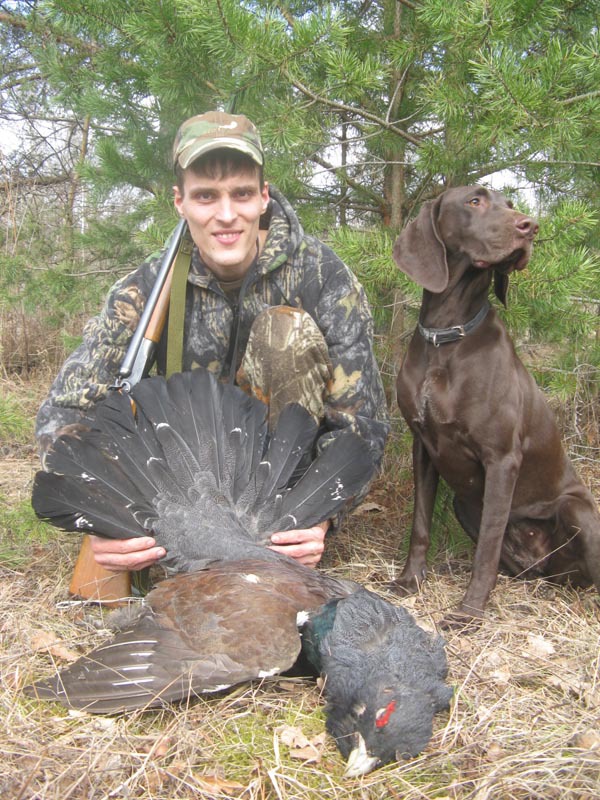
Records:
x=223, y=216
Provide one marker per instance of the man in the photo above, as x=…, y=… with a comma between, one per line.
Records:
x=266, y=306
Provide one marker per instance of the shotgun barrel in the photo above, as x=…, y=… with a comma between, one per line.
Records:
x=138, y=357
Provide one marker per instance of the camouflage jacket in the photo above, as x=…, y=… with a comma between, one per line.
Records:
x=293, y=269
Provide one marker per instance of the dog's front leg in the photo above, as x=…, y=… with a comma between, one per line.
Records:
x=500, y=480
x=426, y=478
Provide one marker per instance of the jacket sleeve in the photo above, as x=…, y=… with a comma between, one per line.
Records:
x=88, y=372
x=355, y=398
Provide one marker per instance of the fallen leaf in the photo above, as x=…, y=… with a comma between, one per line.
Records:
x=215, y=783
x=44, y=640
x=75, y=713
x=590, y=740
x=301, y=747
x=308, y=754
x=288, y=686
x=366, y=508
x=500, y=676
x=494, y=752
x=540, y=646
x=155, y=780
x=109, y=762
x=410, y=602
x=157, y=747
x=40, y=639
x=103, y=723
x=291, y=736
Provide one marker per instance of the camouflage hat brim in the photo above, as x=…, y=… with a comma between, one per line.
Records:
x=199, y=148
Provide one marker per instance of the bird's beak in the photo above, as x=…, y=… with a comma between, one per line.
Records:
x=359, y=761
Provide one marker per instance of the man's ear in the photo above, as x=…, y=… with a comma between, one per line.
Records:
x=177, y=200
x=265, y=196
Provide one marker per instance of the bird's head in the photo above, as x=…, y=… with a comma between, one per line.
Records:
x=385, y=723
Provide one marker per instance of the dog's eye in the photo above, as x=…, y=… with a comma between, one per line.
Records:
x=474, y=201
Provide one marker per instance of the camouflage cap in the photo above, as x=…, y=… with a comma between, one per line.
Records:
x=212, y=131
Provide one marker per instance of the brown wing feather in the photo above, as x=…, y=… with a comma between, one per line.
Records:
x=198, y=633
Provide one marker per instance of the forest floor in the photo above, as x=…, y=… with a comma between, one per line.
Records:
x=524, y=722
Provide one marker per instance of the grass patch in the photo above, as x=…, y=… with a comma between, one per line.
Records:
x=526, y=696
x=523, y=724
x=20, y=532
x=16, y=422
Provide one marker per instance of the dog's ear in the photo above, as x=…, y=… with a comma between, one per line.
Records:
x=501, y=286
x=420, y=253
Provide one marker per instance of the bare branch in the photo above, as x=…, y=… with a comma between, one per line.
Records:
x=357, y=185
x=334, y=104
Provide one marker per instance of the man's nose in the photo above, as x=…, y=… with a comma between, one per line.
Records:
x=226, y=209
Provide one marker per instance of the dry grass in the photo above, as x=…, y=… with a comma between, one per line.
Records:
x=524, y=722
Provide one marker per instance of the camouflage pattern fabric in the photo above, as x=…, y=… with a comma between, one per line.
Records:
x=294, y=270
x=285, y=341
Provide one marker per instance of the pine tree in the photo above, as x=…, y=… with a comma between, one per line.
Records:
x=367, y=108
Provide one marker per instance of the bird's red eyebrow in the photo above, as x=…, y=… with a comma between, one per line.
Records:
x=384, y=718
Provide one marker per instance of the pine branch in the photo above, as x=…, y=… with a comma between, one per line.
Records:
x=286, y=14
x=588, y=95
x=46, y=27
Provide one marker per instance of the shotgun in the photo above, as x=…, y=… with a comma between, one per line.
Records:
x=90, y=581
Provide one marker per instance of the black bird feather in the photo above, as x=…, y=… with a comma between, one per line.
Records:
x=191, y=462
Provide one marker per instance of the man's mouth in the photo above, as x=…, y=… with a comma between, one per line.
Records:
x=227, y=237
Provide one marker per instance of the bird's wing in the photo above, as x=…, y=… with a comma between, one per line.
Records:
x=199, y=633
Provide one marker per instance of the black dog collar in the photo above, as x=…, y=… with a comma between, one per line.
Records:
x=438, y=336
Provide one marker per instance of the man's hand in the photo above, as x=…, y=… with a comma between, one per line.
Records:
x=305, y=545
x=121, y=555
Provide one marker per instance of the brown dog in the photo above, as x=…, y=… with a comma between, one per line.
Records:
x=477, y=417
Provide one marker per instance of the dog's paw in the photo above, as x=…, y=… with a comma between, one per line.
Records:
x=407, y=584
x=461, y=622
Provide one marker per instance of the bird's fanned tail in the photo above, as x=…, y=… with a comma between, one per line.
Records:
x=293, y=437
x=87, y=507
x=190, y=458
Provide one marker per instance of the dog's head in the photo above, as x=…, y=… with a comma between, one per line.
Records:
x=477, y=227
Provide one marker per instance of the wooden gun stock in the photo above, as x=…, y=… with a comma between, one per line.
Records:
x=90, y=581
